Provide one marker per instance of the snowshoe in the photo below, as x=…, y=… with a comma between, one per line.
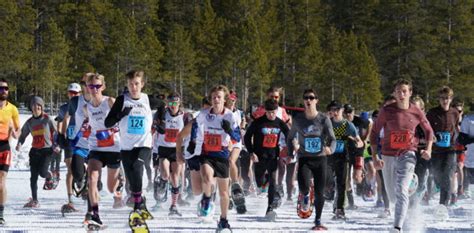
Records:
x=276, y=203
x=67, y=208
x=160, y=190
x=223, y=226
x=174, y=211
x=319, y=228
x=95, y=224
x=238, y=198
x=146, y=215
x=441, y=213
x=339, y=215
x=305, y=205
x=137, y=223
x=48, y=184
x=118, y=202
x=31, y=204
x=270, y=215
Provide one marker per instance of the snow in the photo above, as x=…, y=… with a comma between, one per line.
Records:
x=47, y=218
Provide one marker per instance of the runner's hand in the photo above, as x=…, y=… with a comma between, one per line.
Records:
x=426, y=154
x=378, y=163
x=254, y=158
x=327, y=150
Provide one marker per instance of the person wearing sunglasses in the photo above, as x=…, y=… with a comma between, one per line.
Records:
x=445, y=122
x=312, y=139
x=104, y=146
x=41, y=128
x=165, y=143
x=133, y=113
x=338, y=162
x=74, y=89
x=9, y=127
x=399, y=121
x=261, y=140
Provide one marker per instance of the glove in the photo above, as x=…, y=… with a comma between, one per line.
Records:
x=62, y=141
x=124, y=112
x=226, y=126
x=191, y=147
x=160, y=128
x=464, y=139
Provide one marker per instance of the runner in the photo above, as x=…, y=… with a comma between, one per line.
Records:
x=9, y=126
x=170, y=170
x=399, y=121
x=216, y=134
x=312, y=138
x=338, y=162
x=466, y=138
x=104, y=148
x=41, y=127
x=74, y=89
x=261, y=140
x=445, y=122
x=133, y=113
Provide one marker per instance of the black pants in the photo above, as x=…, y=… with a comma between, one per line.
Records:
x=339, y=165
x=245, y=168
x=270, y=166
x=444, y=166
x=78, y=169
x=133, y=164
x=315, y=168
x=55, y=161
x=421, y=169
x=39, y=163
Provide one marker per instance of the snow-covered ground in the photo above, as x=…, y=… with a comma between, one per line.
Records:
x=47, y=218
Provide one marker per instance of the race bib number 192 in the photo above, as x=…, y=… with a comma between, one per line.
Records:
x=312, y=145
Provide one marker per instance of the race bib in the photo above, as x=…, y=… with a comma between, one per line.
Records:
x=444, y=139
x=70, y=132
x=339, y=146
x=5, y=158
x=38, y=141
x=104, y=138
x=136, y=125
x=212, y=142
x=171, y=135
x=400, y=139
x=270, y=140
x=312, y=145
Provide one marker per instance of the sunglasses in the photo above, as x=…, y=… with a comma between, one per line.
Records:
x=73, y=92
x=309, y=97
x=4, y=88
x=92, y=86
x=173, y=104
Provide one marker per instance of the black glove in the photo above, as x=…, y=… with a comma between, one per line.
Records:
x=124, y=112
x=465, y=139
x=191, y=147
x=226, y=126
x=62, y=141
x=160, y=128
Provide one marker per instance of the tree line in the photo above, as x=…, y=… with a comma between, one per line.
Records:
x=347, y=50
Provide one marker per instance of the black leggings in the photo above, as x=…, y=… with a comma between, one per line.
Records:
x=245, y=168
x=315, y=168
x=444, y=166
x=78, y=168
x=270, y=166
x=133, y=162
x=55, y=161
x=339, y=165
x=39, y=163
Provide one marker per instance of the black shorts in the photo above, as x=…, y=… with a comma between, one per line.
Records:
x=168, y=153
x=67, y=153
x=109, y=159
x=219, y=165
x=194, y=164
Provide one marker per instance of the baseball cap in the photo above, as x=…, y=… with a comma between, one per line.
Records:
x=233, y=95
x=334, y=104
x=74, y=87
x=348, y=108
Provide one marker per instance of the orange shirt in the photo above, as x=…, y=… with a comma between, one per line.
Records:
x=8, y=115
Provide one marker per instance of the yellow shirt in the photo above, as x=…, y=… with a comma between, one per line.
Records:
x=8, y=115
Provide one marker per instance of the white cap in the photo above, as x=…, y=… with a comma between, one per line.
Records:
x=74, y=87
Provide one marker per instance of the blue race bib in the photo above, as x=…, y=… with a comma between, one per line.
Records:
x=444, y=139
x=312, y=145
x=339, y=146
x=136, y=125
x=70, y=132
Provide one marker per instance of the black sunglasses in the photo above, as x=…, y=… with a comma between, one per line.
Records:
x=309, y=97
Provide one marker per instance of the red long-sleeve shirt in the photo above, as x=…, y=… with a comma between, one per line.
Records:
x=399, y=129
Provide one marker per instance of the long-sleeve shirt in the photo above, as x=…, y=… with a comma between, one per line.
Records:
x=266, y=136
x=312, y=135
x=444, y=124
x=41, y=128
x=399, y=129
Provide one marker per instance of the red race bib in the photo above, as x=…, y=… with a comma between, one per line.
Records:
x=106, y=138
x=38, y=141
x=5, y=158
x=400, y=139
x=171, y=135
x=212, y=142
x=270, y=140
